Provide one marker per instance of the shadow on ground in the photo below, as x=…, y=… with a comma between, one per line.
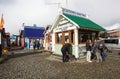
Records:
x=22, y=54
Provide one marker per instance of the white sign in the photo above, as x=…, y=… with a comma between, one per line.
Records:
x=64, y=10
x=63, y=28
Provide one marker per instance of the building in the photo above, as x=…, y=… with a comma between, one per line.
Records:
x=48, y=38
x=33, y=34
x=22, y=40
x=114, y=31
x=6, y=41
x=75, y=28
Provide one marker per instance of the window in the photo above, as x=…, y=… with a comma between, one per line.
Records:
x=59, y=38
x=66, y=36
x=93, y=36
x=69, y=36
x=84, y=37
x=72, y=36
x=112, y=41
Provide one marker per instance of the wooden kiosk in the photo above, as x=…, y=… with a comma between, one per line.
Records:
x=74, y=28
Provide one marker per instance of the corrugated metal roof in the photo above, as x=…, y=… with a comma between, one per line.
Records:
x=33, y=32
x=34, y=27
x=84, y=22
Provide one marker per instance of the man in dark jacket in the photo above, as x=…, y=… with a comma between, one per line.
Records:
x=66, y=51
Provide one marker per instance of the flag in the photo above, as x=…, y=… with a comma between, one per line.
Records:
x=2, y=22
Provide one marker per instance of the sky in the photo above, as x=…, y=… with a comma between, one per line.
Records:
x=44, y=12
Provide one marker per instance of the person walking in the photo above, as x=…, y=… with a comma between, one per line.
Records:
x=38, y=45
x=34, y=45
x=97, y=51
x=88, y=49
x=93, y=53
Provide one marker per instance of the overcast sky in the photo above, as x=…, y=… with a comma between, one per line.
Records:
x=42, y=13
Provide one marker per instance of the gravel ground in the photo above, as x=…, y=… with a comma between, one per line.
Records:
x=46, y=66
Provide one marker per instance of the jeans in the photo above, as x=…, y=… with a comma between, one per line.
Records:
x=99, y=58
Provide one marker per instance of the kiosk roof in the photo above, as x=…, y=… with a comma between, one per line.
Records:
x=84, y=22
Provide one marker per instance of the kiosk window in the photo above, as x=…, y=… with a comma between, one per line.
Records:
x=83, y=37
x=66, y=37
x=72, y=37
x=59, y=38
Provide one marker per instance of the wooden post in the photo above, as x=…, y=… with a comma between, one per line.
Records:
x=69, y=34
x=76, y=43
x=63, y=38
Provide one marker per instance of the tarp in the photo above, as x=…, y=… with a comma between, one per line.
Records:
x=13, y=37
x=33, y=32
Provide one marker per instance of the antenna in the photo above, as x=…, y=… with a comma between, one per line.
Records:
x=66, y=3
x=59, y=5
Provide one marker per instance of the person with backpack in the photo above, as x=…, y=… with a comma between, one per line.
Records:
x=97, y=51
x=93, y=53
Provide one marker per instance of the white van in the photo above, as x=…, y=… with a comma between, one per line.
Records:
x=112, y=43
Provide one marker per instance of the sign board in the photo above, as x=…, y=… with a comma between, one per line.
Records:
x=62, y=28
x=67, y=11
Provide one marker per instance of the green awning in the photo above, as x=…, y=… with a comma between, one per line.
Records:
x=84, y=22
